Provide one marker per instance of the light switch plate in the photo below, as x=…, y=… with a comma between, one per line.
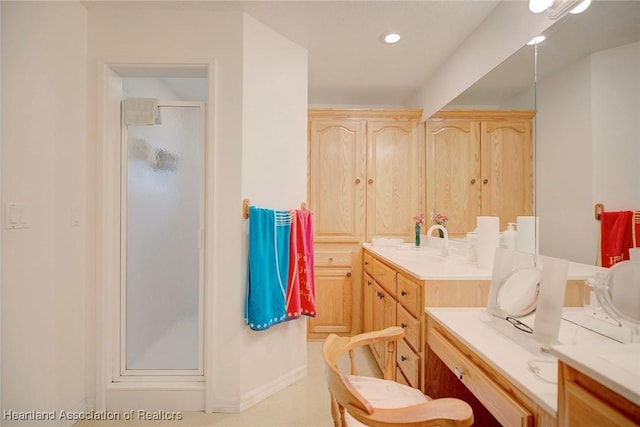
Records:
x=15, y=216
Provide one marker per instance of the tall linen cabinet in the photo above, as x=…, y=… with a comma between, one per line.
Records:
x=363, y=183
x=479, y=162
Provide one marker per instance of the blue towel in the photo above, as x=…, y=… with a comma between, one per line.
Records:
x=268, y=267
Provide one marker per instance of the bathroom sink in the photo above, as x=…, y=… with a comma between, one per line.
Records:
x=420, y=256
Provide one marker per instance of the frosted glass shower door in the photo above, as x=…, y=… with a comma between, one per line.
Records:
x=161, y=293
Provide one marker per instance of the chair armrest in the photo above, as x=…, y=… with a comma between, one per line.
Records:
x=391, y=333
x=442, y=412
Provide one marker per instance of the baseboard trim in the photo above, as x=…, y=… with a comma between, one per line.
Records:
x=259, y=394
x=68, y=418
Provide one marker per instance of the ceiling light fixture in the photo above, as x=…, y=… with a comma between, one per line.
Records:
x=581, y=7
x=536, y=40
x=391, y=38
x=556, y=9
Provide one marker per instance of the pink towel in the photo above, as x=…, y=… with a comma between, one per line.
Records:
x=616, y=236
x=301, y=296
x=305, y=264
x=293, y=284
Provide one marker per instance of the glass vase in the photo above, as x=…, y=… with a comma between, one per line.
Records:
x=417, y=236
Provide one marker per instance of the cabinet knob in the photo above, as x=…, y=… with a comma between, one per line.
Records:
x=369, y=283
x=381, y=295
x=403, y=293
x=366, y=263
x=370, y=181
x=357, y=180
x=403, y=325
x=458, y=373
x=349, y=274
x=330, y=259
x=403, y=358
x=473, y=181
x=485, y=181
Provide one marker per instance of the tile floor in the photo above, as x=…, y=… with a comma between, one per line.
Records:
x=303, y=404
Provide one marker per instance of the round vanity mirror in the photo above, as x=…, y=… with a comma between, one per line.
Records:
x=517, y=294
x=618, y=292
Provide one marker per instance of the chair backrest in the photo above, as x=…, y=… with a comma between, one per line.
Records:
x=344, y=396
x=334, y=348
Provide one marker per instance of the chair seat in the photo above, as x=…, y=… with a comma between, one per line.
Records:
x=383, y=394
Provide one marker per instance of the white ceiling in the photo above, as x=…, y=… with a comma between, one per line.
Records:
x=348, y=65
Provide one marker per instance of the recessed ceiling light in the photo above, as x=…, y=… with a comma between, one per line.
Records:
x=391, y=38
x=536, y=40
x=581, y=7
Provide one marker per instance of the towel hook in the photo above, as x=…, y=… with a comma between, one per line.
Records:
x=597, y=211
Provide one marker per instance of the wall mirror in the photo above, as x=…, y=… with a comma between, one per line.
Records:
x=586, y=100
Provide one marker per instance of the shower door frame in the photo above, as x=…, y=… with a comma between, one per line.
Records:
x=120, y=371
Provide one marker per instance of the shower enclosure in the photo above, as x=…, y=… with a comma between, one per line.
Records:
x=162, y=213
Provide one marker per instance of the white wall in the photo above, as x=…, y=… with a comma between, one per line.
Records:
x=586, y=149
x=257, y=117
x=44, y=70
x=616, y=115
x=509, y=27
x=274, y=175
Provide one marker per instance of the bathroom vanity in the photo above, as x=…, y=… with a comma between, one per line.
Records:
x=400, y=281
x=510, y=380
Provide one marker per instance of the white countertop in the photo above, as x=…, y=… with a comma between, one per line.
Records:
x=511, y=352
x=425, y=263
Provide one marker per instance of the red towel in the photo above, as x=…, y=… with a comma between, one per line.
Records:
x=616, y=236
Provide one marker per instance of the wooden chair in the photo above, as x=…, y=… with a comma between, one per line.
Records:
x=382, y=402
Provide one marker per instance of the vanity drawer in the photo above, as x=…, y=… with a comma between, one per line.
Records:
x=367, y=260
x=501, y=405
x=409, y=295
x=409, y=363
x=411, y=327
x=385, y=276
x=333, y=259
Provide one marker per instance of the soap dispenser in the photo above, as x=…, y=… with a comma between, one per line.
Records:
x=509, y=237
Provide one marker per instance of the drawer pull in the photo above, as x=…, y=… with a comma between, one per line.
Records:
x=458, y=373
x=403, y=293
x=330, y=259
x=357, y=180
x=366, y=263
x=369, y=283
x=403, y=325
x=349, y=274
x=403, y=358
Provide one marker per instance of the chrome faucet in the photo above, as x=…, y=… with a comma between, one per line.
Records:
x=445, y=245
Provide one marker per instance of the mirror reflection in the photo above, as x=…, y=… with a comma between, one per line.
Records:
x=586, y=101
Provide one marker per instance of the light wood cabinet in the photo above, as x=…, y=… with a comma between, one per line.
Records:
x=363, y=173
x=479, y=163
x=393, y=296
x=335, y=290
x=583, y=401
x=363, y=183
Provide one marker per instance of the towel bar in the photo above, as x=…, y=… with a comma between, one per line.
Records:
x=246, y=203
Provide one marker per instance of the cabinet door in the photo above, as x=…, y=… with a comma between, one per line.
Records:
x=507, y=169
x=454, y=186
x=337, y=188
x=333, y=288
x=392, y=178
x=384, y=316
x=368, y=295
